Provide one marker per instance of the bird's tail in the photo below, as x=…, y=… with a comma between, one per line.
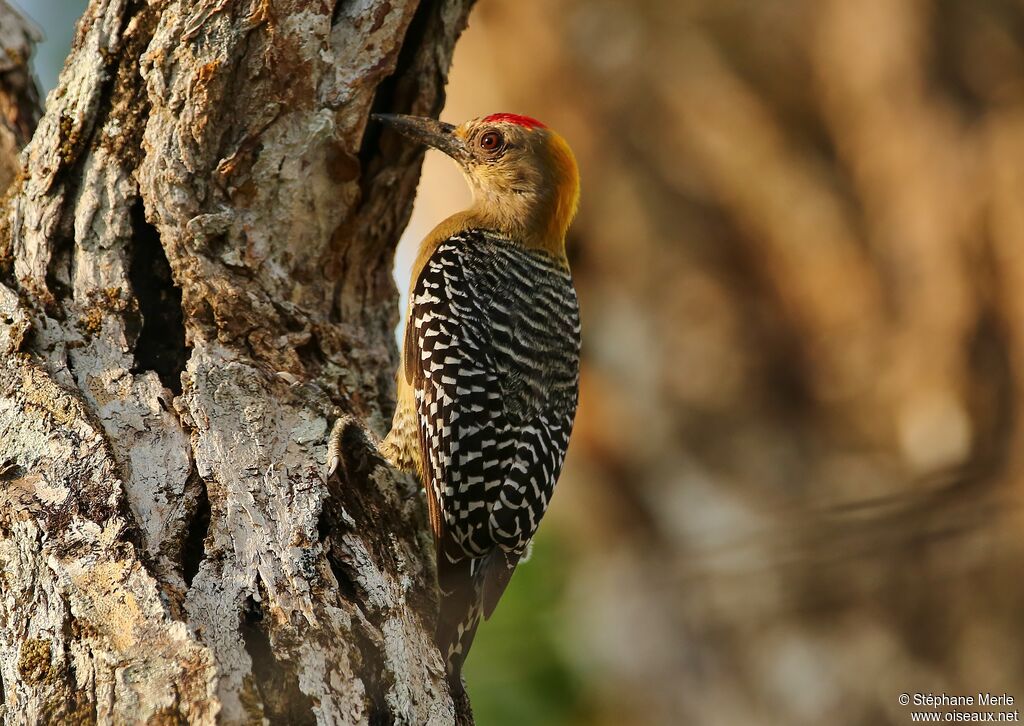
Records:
x=470, y=588
x=460, y=611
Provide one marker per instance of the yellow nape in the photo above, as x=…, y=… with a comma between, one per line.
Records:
x=566, y=177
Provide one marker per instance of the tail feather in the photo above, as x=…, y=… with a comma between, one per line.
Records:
x=460, y=612
x=470, y=590
x=497, y=571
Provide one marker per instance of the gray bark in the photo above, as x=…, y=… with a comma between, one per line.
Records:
x=196, y=268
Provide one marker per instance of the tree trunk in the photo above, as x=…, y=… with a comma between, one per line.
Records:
x=196, y=268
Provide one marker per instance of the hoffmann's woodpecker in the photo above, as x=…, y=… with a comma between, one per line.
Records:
x=489, y=381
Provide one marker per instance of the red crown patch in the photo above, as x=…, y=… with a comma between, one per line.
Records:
x=514, y=118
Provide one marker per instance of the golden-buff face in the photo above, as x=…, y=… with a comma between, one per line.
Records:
x=523, y=175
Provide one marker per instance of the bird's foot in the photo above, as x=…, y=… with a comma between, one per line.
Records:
x=348, y=439
x=339, y=456
x=341, y=425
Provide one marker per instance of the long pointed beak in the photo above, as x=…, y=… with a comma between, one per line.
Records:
x=433, y=133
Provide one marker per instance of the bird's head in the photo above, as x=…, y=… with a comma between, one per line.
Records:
x=523, y=175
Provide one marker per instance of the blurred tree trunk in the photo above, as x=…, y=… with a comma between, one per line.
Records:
x=196, y=268
x=19, y=97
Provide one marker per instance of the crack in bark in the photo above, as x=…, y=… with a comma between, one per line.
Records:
x=372, y=673
x=371, y=666
x=398, y=92
x=58, y=275
x=277, y=684
x=344, y=574
x=161, y=345
x=193, y=546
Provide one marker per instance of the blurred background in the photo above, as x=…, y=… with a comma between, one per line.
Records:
x=793, y=491
x=56, y=20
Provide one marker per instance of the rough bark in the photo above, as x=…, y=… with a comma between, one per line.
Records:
x=196, y=279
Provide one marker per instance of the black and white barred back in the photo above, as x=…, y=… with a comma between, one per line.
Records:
x=493, y=343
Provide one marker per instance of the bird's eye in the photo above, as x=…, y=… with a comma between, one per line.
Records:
x=491, y=141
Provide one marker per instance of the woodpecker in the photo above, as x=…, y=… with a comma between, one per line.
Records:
x=489, y=381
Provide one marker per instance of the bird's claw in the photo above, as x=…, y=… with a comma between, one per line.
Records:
x=341, y=425
x=336, y=455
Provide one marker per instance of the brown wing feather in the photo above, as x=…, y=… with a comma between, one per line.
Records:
x=433, y=508
x=413, y=369
x=411, y=363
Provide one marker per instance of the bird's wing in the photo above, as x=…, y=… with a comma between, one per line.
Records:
x=493, y=349
x=492, y=354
